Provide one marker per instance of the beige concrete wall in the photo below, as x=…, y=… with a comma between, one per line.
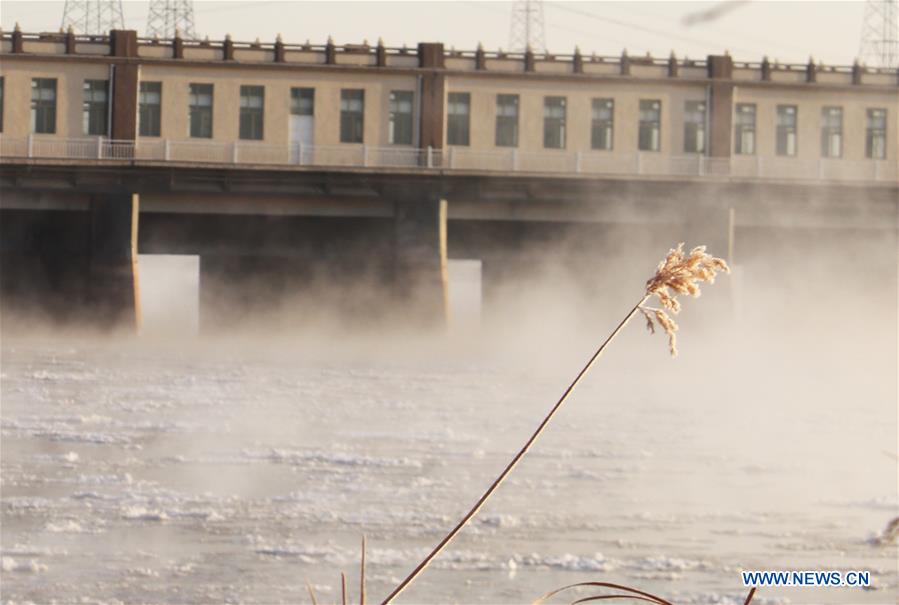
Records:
x=579, y=95
x=69, y=94
x=627, y=93
x=809, y=103
x=227, y=82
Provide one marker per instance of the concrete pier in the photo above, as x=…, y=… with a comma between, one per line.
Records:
x=74, y=266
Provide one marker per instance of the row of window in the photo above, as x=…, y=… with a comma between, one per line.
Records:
x=649, y=129
x=400, y=127
x=787, y=124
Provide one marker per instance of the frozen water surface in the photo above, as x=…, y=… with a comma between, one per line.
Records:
x=192, y=475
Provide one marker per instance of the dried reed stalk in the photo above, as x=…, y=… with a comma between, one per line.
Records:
x=625, y=592
x=677, y=272
x=311, y=593
x=362, y=575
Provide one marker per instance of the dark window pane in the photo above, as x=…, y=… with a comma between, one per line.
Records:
x=302, y=101
x=252, y=104
x=554, y=122
x=150, y=109
x=95, y=106
x=650, y=126
x=786, y=130
x=831, y=132
x=744, y=129
x=507, y=120
x=458, y=114
x=200, y=104
x=694, y=127
x=43, y=105
x=876, y=134
x=602, y=128
x=352, y=108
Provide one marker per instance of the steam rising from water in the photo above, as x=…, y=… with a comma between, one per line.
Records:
x=233, y=465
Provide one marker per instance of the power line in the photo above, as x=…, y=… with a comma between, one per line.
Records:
x=664, y=34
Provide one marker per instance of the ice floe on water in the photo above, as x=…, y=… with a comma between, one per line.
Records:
x=9, y=564
x=173, y=479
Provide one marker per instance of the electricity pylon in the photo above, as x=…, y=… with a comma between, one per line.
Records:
x=166, y=17
x=93, y=16
x=880, y=34
x=528, y=29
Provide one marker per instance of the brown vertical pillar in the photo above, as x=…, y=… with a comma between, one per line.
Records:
x=112, y=281
x=17, y=40
x=721, y=105
x=124, y=85
x=228, y=49
x=433, y=95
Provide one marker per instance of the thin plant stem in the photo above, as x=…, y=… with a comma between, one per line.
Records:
x=343, y=593
x=311, y=593
x=362, y=575
x=509, y=467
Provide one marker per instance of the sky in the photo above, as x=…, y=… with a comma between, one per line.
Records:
x=788, y=31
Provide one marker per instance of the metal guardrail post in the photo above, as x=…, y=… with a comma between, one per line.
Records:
x=515, y=159
x=31, y=145
x=299, y=147
x=430, y=157
x=365, y=155
x=167, y=151
x=577, y=162
x=449, y=157
x=100, y=148
x=234, y=153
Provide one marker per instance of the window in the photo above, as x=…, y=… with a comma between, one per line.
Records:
x=352, y=105
x=831, y=132
x=200, y=100
x=744, y=129
x=554, y=122
x=302, y=101
x=252, y=103
x=694, y=127
x=650, y=126
x=458, y=108
x=786, y=130
x=150, y=108
x=507, y=120
x=400, y=127
x=603, y=124
x=43, y=105
x=876, y=134
x=94, y=108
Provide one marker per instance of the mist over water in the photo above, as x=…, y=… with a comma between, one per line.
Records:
x=231, y=467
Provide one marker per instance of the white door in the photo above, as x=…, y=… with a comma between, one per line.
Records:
x=301, y=133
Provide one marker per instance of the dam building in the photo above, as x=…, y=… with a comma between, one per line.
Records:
x=288, y=166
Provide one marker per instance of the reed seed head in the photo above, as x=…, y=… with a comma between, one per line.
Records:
x=678, y=273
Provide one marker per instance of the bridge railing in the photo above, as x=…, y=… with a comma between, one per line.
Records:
x=507, y=160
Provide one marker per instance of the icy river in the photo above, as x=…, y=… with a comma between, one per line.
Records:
x=206, y=473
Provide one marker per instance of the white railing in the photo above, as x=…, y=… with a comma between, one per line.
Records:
x=508, y=160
